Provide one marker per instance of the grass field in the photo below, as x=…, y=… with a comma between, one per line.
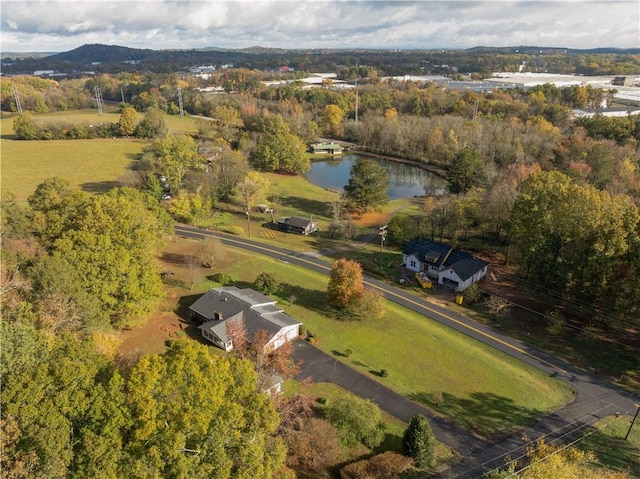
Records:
x=606, y=440
x=477, y=387
x=394, y=427
x=93, y=165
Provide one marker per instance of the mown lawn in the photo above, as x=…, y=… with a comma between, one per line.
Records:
x=476, y=386
x=93, y=165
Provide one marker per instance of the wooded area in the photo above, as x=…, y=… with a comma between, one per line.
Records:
x=527, y=184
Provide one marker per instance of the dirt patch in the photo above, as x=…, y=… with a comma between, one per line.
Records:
x=372, y=219
x=167, y=322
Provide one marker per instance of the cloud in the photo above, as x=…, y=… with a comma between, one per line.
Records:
x=57, y=25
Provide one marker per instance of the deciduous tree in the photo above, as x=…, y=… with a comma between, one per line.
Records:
x=358, y=421
x=128, y=121
x=465, y=171
x=251, y=190
x=194, y=415
x=211, y=252
x=345, y=283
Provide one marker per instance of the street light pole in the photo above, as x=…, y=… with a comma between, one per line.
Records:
x=633, y=420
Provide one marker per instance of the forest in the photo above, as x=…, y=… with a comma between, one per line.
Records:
x=555, y=197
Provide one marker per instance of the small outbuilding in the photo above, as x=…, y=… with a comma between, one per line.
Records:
x=327, y=148
x=295, y=224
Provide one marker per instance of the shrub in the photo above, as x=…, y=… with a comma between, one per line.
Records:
x=234, y=230
x=358, y=420
x=267, y=283
x=472, y=294
x=348, y=352
x=387, y=465
x=384, y=373
x=223, y=278
x=302, y=330
x=323, y=400
x=557, y=323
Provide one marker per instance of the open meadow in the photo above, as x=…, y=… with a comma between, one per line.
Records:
x=94, y=165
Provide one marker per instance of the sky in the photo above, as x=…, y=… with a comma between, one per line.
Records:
x=62, y=25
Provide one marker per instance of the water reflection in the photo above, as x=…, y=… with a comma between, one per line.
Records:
x=405, y=181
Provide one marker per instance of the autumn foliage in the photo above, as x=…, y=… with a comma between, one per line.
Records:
x=345, y=283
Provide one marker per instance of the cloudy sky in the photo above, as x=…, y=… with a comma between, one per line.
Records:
x=61, y=25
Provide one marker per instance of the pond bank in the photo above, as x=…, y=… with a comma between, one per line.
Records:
x=353, y=149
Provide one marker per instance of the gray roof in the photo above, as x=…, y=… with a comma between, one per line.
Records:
x=462, y=263
x=258, y=311
x=296, y=221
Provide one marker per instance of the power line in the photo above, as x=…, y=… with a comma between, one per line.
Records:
x=580, y=427
x=566, y=446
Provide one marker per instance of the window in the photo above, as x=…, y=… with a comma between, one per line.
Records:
x=413, y=263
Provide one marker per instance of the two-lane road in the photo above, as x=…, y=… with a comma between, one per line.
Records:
x=594, y=397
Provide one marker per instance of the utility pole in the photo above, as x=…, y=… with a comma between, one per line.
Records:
x=382, y=231
x=633, y=420
x=122, y=95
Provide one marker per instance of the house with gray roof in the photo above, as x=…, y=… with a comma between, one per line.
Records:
x=295, y=224
x=219, y=307
x=449, y=266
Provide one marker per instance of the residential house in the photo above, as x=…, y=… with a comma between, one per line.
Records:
x=449, y=266
x=328, y=148
x=219, y=307
x=295, y=224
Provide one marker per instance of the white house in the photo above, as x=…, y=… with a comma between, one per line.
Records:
x=449, y=266
x=219, y=307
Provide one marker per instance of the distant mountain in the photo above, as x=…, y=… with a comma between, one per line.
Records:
x=99, y=58
x=533, y=50
x=102, y=53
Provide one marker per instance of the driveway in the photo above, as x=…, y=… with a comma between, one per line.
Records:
x=594, y=397
x=321, y=367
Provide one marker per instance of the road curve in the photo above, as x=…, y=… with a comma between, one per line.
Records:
x=594, y=398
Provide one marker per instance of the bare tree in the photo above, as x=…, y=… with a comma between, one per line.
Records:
x=498, y=306
x=211, y=252
x=192, y=264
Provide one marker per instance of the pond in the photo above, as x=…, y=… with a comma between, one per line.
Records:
x=405, y=181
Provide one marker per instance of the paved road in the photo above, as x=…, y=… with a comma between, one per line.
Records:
x=594, y=398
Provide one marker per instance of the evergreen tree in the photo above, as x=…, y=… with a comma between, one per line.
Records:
x=419, y=443
x=367, y=187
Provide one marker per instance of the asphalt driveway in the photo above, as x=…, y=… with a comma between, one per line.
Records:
x=321, y=367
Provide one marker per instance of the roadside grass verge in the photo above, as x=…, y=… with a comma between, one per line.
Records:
x=606, y=441
x=476, y=386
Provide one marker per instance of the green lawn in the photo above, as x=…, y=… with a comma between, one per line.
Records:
x=394, y=427
x=606, y=441
x=476, y=386
x=93, y=165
